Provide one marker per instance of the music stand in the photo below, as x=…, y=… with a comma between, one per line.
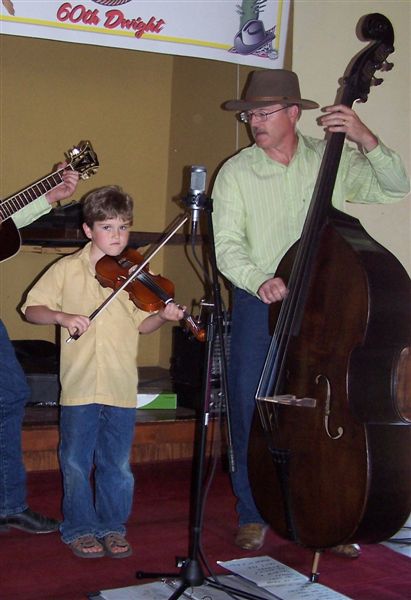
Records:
x=192, y=573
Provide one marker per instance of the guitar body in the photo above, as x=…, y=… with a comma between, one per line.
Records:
x=9, y=240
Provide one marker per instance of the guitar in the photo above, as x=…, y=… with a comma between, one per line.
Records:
x=81, y=159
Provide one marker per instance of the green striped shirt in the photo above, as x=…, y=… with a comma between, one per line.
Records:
x=260, y=205
x=31, y=212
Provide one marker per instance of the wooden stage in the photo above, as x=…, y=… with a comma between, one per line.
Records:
x=160, y=434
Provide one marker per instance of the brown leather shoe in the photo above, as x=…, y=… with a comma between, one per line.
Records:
x=251, y=536
x=347, y=550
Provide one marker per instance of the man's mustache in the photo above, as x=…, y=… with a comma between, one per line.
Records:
x=257, y=130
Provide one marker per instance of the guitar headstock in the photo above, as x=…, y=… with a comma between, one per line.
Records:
x=373, y=27
x=83, y=159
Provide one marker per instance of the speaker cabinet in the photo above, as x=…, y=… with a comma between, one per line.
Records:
x=40, y=362
x=187, y=367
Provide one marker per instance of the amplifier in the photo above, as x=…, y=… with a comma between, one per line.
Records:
x=40, y=362
x=187, y=366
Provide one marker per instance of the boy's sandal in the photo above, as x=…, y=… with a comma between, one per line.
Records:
x=81, y=547
x=116, y=545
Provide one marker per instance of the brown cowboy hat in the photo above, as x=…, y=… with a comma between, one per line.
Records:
x=271, y=87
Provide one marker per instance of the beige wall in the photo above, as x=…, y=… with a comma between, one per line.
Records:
x=149, y=116
x=324, y=42
x=53, y=96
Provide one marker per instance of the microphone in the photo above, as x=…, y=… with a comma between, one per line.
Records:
x=196, y=195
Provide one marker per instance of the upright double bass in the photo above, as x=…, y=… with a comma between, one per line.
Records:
x=330, y=446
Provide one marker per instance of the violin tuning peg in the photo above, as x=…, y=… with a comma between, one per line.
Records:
x=376, y=81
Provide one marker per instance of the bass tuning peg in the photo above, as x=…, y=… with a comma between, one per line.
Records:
x=376, y=81
x=387, y=66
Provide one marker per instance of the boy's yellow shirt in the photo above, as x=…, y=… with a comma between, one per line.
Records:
x=101, y=366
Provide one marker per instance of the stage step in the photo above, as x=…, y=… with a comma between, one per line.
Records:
x=159, y=435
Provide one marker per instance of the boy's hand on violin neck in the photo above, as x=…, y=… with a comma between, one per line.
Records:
x=172, y=312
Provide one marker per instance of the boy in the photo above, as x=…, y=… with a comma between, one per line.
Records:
x=98, y=376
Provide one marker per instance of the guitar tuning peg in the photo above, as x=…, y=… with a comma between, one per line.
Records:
x=376, y=81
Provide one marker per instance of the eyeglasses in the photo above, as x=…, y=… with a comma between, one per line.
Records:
x=260, y=115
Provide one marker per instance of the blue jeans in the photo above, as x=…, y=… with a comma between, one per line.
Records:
x=99, y=435
x=14, y=392
x=250, y=340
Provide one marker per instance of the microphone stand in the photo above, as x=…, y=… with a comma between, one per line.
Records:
x=192, y=574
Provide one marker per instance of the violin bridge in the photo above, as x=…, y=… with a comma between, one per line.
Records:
x=290, y=400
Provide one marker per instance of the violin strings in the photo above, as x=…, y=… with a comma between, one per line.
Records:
x=149, y=282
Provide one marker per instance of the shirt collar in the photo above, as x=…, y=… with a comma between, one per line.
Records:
x=263, y=164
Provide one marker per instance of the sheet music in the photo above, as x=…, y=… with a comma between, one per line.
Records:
x=306, y=591
x=278, y=579
x=233, y=583
x=262, y=576
x=149, y=591
x=164, y=589
x=264, y=571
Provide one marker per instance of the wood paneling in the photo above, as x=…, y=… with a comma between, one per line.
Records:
x=153, y=442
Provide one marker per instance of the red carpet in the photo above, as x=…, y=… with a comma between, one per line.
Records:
x=43, y=568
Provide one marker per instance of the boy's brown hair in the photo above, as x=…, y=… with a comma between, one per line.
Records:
x=107, y=202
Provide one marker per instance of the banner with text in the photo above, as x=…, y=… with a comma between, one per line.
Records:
x=247, y=32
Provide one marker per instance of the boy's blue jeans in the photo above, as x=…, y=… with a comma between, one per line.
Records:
x=99, y=435
x=250, y=340
x=14, y=392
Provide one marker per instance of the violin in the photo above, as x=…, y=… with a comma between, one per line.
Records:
x=147, y=291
